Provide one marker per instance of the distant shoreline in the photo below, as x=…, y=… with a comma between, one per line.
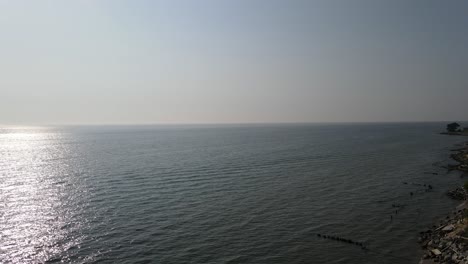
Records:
x=455, y=133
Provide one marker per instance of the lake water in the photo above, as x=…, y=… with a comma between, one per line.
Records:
x=221, y=194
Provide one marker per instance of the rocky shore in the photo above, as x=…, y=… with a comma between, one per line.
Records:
x=447, y=242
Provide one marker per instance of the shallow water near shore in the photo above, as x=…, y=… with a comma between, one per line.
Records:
x=221, y=194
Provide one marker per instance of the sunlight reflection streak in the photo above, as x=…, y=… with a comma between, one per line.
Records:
x=35, y=224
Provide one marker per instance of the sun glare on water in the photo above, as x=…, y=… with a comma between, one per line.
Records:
x=34, y=185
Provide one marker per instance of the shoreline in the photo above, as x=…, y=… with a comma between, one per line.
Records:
x=447, y=241
x=460, y=133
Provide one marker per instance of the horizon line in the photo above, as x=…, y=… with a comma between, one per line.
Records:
x=220, y=123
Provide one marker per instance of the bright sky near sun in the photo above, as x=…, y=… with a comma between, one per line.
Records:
x=141, y=62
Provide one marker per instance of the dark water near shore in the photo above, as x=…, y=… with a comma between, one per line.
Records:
x=220, y=194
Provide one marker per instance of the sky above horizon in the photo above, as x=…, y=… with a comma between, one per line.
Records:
x=243, y=61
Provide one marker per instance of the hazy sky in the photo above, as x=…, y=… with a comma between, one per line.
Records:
x=101, y=62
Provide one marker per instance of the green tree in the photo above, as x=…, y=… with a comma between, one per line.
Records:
x=452, y=127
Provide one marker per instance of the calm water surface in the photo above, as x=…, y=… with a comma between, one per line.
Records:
x=220, y=194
